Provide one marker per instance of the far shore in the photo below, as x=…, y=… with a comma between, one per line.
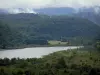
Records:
x=23, y=47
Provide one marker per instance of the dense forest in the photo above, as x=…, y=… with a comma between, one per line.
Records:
x=35, y=24
x=34, y=29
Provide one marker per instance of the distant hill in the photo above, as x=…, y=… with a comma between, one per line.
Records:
x=90, y=13
x=46, y=11
x=23, y=30
x=56, y=11
x=53, y=26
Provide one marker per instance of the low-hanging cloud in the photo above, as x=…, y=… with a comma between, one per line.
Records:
x=47, y=3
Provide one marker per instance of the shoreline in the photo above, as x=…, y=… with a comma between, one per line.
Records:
x=38, y=47
x=35, y=52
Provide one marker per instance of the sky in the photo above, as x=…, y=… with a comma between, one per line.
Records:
x=47, y=3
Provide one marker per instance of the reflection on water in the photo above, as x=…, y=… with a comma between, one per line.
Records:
x=32, y=52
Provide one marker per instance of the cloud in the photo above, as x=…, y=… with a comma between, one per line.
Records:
x=47, y=3
x=15, y=11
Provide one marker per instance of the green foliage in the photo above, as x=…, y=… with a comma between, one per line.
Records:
x=10, y=38
x=97, y=42
x=23, y=30
x=71, y=62
x=51, y=26
x=97, y=45
x=54, y=42
x=4, y=35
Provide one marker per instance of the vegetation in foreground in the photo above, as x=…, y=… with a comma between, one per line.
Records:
x=71, y=62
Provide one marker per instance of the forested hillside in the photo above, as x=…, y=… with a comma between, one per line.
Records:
x=51, y=25
x=25, y=29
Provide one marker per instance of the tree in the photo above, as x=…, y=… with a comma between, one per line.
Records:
x=98, y=45
x=4, y=35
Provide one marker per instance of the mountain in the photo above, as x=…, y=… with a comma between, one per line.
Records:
x=90, y=13
x=46, y=11
x=55, y=26
x=3, y=11
x=56, y=11
x=34, y=29
x=66, y=17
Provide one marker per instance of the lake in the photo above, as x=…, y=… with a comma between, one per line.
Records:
x=33, y=52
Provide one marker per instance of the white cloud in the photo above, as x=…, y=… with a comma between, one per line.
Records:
x=46, y=3
x=15, y=11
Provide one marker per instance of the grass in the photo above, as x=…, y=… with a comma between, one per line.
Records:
x=55, y=42
x=78, y=57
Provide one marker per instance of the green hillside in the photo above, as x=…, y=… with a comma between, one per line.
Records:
x=26, y=29
x=51, y=25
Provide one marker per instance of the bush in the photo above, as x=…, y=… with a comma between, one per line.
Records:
x=98, y=45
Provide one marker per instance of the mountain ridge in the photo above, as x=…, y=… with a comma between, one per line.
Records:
x=51, y=24
x=90, y=13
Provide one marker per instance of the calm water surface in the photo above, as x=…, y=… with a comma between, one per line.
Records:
x=33, y=52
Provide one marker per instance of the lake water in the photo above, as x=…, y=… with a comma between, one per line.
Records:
x=33, y=52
